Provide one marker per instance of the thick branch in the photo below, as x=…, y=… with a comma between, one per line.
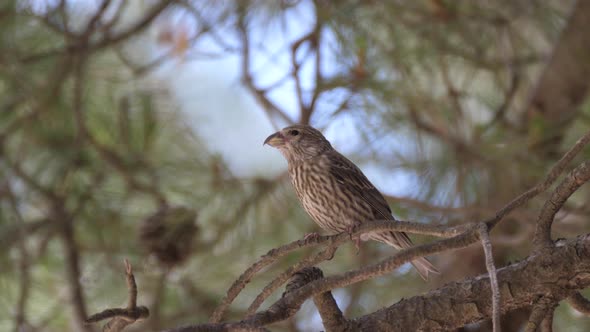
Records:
x=332, y=317
x=547, y=323
x=541, y=310
x=458, y=304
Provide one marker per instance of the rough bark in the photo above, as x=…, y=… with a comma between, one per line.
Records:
x=556, y=276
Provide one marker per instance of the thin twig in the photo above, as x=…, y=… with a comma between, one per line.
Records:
x=508, y=98
x=48, y=93
x=94, y=20
x=122, y=317
x=295, y=67
x=106, y=27
x=325, y=254
x=206, y=25
x=24, y=263
x=72, y=266
x=109, y=155
x=553, y=174
x=491, y=267
x=108, y=40
x=267, y=259
x=443, y=134
x=268, y=106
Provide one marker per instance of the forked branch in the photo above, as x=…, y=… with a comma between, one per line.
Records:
x=122, y=317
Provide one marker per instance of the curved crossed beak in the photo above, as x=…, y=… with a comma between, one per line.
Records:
x=275, y=140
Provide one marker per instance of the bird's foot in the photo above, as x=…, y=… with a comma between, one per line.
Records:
x=357, y=244
x=355, y=239
x=311, y=236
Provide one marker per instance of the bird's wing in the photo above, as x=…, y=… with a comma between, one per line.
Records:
x=352, y=178
x=349, y=175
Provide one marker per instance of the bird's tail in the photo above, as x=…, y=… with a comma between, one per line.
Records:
x=400, y=240
x=424, y=267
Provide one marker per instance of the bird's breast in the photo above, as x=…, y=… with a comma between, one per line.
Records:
x=324, y=199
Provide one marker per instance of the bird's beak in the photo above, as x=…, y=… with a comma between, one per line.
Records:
x=275, y=140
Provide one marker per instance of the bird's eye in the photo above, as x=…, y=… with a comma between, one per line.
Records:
x=294, y=132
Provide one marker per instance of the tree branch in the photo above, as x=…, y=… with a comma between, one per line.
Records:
x=108, y=40
x=323, y=255
x=487, y=248
x=24, y=262
x=574, y=180
x=547, y=323
x=541, y=310
x=122, y=317
x=553, y=174
x=332, y=317
x=268, y=106
x=468, y=301
x=72, y=266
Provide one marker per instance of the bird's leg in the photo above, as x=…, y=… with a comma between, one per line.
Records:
x=356, y=239
x=312, y=236
x=357, y=244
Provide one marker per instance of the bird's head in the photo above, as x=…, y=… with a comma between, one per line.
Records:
x=299, y=142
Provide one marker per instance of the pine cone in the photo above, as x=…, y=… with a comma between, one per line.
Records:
x=168, y=234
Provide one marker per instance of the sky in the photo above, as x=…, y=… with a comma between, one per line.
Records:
x=225, y=116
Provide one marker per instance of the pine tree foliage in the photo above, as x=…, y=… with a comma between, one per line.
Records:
x=97, y=154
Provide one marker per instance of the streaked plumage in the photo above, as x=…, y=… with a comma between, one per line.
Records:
x=333, y=190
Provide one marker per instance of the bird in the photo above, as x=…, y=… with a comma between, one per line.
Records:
x=333, y=191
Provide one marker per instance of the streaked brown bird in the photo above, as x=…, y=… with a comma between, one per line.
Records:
x=334, y=191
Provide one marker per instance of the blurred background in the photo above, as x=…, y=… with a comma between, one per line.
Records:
x=134, y=129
